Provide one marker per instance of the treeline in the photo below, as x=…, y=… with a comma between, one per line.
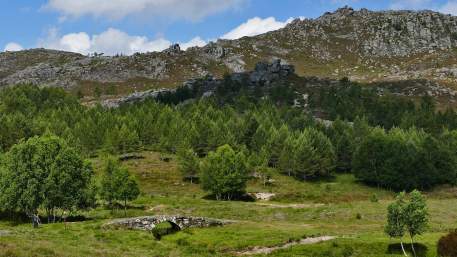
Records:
x=268, y=132
x=348, y=101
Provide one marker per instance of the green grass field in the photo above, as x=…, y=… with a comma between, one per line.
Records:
x=340, y=207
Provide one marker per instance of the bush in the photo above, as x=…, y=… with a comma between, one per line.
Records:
x=358, y=216
x=447, y=245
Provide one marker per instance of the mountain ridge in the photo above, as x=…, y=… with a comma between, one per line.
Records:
x=363, y=45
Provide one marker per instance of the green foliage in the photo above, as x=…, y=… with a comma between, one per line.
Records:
x=395, y=227
x=117, y=184
x=258, y=163
x=348, y=101
x=45, y=172
x=224, y=173
x=407, y=217
x=343, y=138
x=416, y=214
x=309, y=154
x=289, y=137
x=122, y=140
x=404, y=160
x=189, y=163
x=374, y=198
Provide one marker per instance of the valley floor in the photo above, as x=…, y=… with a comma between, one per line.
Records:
x=340, y=208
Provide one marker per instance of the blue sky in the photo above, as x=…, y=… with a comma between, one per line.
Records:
x=128, y=26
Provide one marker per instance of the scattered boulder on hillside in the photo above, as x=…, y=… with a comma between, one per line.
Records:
x=215, y=51
x=265, y=73
x=135, y=97
x=173, y=49
x=263, y=196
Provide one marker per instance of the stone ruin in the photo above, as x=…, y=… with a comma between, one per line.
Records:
x=148, y=223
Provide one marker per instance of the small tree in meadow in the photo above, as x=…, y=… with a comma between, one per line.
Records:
x=407, y=217
x=395, y=227
x=117, y=184
x=224, y=173
x=416, y=216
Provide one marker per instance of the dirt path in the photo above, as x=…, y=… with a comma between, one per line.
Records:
x=268, y=250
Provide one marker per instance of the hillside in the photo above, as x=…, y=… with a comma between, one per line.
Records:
x=363, y=45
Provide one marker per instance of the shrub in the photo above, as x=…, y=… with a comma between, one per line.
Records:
x=374, y=198
x=447, y=245
x=358, y=216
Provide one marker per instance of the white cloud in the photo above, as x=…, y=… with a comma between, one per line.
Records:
x=117, y=9
x=196, y=41
x=114, y=41
x=256, y=26
x=12, y=47
x=110, y=42
x=75, y=42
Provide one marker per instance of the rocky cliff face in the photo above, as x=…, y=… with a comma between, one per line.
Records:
x=382, y=34
x=363, y=45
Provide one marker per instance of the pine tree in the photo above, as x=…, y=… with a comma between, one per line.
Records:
x=189, y=163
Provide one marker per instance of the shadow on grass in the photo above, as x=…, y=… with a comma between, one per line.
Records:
x=241, y=197
x=119, y=206
x=421, y=250
x=19, y=218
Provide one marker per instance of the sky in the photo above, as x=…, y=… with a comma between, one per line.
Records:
x=129, y=26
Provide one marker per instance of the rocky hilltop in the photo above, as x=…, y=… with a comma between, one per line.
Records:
x=363, y=45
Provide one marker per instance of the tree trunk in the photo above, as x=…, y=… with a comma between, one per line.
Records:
x=125, y=207
x=412, y=247
x=403, y=248
x=36, y=220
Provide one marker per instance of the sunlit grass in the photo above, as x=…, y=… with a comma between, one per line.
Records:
x=339, y=207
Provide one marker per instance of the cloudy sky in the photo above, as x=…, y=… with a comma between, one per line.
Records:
x=129, y=26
